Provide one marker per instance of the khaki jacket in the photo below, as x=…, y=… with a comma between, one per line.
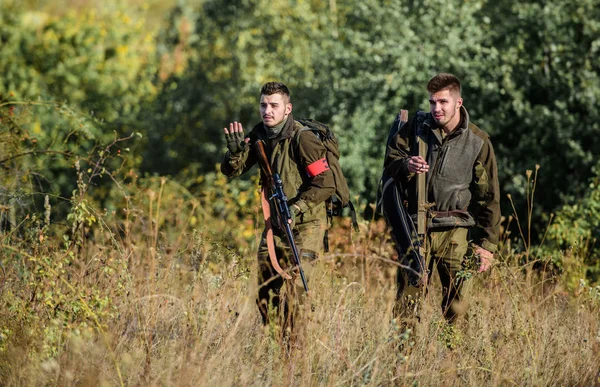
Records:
x=289, y=156
x=462, y=182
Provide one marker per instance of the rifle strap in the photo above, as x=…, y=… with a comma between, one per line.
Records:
x=269, y=235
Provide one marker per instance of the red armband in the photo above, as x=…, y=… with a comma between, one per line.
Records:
x=317, y=167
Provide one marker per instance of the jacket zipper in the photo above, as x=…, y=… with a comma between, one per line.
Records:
x=439, y=163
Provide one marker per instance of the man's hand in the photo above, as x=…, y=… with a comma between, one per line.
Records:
x=294, y=211
x=236, y=141
x=417, y=164
x=485, y=258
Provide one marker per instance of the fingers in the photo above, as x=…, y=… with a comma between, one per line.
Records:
x=234, y=127
x=484, y=266
x=417, y=164
x=484, y=253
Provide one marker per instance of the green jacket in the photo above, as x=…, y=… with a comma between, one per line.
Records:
x=289, y=156
x=462, y=182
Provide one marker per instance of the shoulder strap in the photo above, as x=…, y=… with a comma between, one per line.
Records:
x=296, y=138
x=304, y=128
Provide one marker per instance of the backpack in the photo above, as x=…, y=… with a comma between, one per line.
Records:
x=341, y=198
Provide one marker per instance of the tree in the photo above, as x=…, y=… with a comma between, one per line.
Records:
x=539, y=88
x=57, y=71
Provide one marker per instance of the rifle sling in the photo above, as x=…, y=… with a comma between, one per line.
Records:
x=269, y=235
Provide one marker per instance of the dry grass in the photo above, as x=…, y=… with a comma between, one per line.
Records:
x=183, y=313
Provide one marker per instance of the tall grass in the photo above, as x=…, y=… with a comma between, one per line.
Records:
x=150, y=301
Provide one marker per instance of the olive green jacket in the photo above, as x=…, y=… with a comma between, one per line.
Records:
x=289, y=155
x=462, y=182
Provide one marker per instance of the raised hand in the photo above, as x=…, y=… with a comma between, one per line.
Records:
x=236, y=140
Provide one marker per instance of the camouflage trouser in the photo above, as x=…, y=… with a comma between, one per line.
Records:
x=449, y=252
x=273, y=298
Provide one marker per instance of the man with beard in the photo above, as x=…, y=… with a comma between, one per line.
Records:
x=299, y=157
x=461, y=188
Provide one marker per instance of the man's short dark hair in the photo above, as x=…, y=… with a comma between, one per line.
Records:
x=444, y=81
x=271, y=88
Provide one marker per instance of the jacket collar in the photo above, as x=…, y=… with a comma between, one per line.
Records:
x=463, y=125
x=286, y=132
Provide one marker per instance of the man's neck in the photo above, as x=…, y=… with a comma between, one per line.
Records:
x=274, y=131
x=451, y=126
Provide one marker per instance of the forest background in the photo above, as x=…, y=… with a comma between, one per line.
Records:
x=111, y=122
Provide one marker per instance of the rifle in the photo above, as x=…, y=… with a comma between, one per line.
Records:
x=409, y=239
x=273, y=181
x=422, y=205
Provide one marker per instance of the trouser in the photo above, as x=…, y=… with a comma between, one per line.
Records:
x=448, y=250
x=275, y=300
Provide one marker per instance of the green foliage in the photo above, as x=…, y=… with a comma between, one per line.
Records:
x=98, y=60
x=538, y=89
x=70, y=82
x=39, y=162
x=572, y=236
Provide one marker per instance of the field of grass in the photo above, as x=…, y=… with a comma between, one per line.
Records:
x=132, y=303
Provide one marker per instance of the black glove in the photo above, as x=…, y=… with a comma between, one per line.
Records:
x=235, y=142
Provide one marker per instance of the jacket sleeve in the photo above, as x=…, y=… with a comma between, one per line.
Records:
x=234, y=165
x=319, y=187
x=486, y=199
x=398, y=152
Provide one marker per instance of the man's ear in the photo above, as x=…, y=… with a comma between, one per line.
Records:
x=459, y=102
x=288, y=108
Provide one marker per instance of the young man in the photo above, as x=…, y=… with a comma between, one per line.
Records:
x=299, y=157
x=461, y=187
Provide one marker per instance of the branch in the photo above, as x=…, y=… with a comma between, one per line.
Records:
x=66, y=154
x=26, y=103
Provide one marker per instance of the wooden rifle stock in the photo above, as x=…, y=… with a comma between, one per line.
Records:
x=422, y=207
x=263, y=162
